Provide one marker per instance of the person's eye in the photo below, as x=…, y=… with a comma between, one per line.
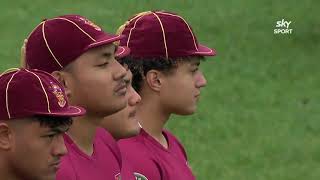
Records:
x=127, y=82
x=108, y=55
x=194, y=70
x=49, y=136
x=103, y=64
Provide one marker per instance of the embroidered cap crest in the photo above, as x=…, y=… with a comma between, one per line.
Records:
x=57, y=91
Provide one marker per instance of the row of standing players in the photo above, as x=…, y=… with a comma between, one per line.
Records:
x=87, y=104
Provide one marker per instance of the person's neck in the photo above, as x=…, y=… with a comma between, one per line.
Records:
x=83, y=131
x=8, y=176
x=5, y=173
x=152, y=119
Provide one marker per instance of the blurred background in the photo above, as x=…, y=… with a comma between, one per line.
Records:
x=259, y=117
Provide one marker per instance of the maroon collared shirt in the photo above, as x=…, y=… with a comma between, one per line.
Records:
x=151, y=161
x=104, y=163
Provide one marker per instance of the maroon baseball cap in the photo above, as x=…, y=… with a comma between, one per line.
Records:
x=25, y=93
x=56, y=42
x=161, y=34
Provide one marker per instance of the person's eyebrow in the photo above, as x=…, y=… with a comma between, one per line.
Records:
x=195, y=63
x=106, y=54
x=59, y=130
x=127, y=81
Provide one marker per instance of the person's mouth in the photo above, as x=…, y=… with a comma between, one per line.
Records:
x=121, y=89
x=132, y=113
x=55, y=165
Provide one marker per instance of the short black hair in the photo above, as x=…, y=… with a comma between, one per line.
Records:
x=141, y=66
x=53, y=122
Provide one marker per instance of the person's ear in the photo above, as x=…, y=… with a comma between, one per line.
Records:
x=62, y=77
x=6, y=137
x=154, y=80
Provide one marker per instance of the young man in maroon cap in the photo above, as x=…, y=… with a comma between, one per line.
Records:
x=82, y=57
x=164, y=59
x=124, y=123
x=34, y=114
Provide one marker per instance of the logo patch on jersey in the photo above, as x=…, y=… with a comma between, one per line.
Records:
x=90, y=23
x=139, y=176
x=117, y=176
x=57, y=91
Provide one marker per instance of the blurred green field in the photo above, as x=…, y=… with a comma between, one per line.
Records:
x=259, y=116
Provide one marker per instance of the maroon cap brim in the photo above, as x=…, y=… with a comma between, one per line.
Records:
x=122, y=51
x=71, y=111
x=205, y=51
x=105, y=40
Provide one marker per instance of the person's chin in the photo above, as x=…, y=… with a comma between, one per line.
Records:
x=134, y=131
x=187, y=111
x=50, y=176
x=116, y=107
x=121, y=102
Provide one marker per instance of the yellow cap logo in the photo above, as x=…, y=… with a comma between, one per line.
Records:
x=56, y=90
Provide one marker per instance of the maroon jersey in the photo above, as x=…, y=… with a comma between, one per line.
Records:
x=151, y=161
x=104, y=163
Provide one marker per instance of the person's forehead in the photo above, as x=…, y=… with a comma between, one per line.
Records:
x=46, y=126
x=27, y=125
x=56, y=129
x=107, y=47
x=192, y=61
x=61, y=128
x=93, y=55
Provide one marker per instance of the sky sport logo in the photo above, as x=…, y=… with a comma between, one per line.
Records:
x=282, y=27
